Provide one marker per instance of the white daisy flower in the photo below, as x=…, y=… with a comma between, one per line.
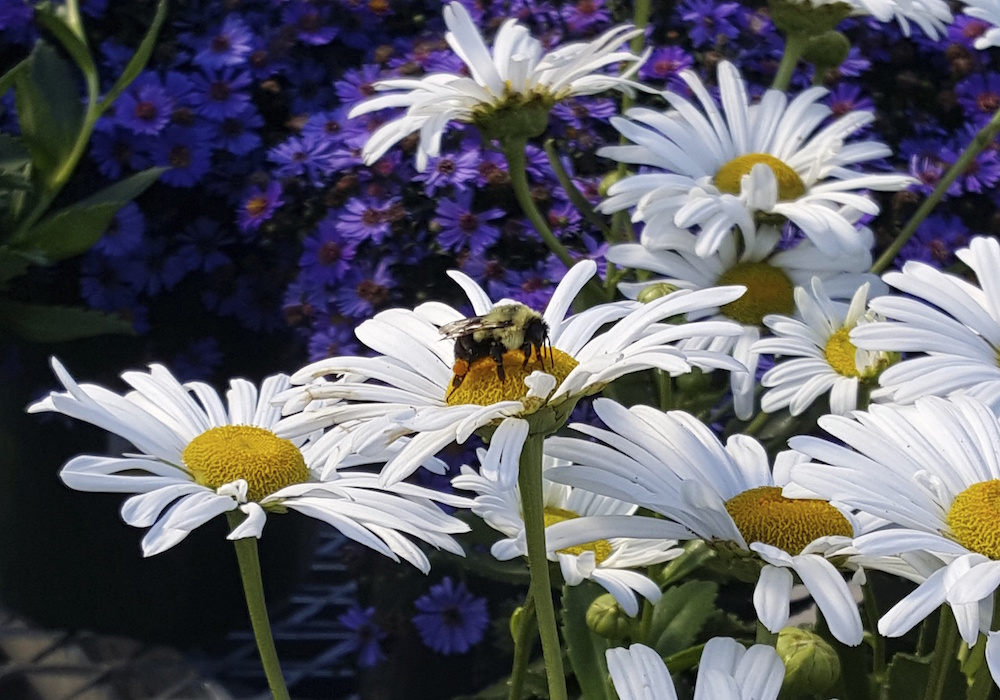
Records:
x=932, y=470
x=608, y=562
x=727, y=671
x=825, y=359
x=953, y=323
x=412, y=387
x=518, y=81
x=672, y=464
x=770, y=276
x=199, y=457
x=932, y=16
x=989, y=12
x=756, y=162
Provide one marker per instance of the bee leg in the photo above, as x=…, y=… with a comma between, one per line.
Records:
x=526, y=351
x=497, y=353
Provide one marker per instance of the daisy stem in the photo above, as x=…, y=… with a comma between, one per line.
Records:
x=943, y=656
x=983, y=138
x=529, y=481
x=523, y=636
x=575, y=195
x=795, y=44
x=758, y=422
x=253, y=590
x=877, y=640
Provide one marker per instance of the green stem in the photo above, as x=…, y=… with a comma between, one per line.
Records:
x=529, y=481
x=983, y=138
x=523, y=636
x=877, y=640
x=575, y=196
x=253, y=589
x=944, y=654
x=757, y=424
x=795, y=44
x=665, y=390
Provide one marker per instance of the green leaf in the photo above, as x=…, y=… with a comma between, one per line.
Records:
x=73, y=230
x=49, y=110
x=75, y=46
x=48, y=324
x=12, y=264
x=909, y=675
x=14, y=162
x=584, y=649
x=680, y=614
x=139, y=59
x=7, y=79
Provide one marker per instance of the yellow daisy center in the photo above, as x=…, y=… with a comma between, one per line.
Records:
x=790, y=185
x=763, y=515
x=769, y=291
x=229, y=452
x=840, y=353
x=479, y=383
x=974, y=517
x=600, y=548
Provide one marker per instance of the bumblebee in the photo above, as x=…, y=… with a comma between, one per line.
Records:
x=505, y=327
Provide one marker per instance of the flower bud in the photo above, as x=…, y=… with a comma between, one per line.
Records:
x=608, y=180
x=811, y=664
x=606, y=618
x=656, y=291
x=802, y=17
x=827, y=51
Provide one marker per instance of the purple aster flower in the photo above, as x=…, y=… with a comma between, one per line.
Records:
x=199, y=251
x=462, y=229
x=935, y=241
x=310, y=21
x=665, y=64
x=229, y=46
x=124, y=234
x=584, y=15
x=311, y=87
x=579, y=113
x=249, y=298
x=555, y=270
x=492, y=170
x=238, y=134
x=979, y=96
x=490, y=273
x=980, y=175
x=145, y=106
x=114, y=56
x=364, y=220
x=258, y=205
x=530, y=287
x=117, y=152
x=326, y=125
x=333, y=339
x=356, y=85
x=458, y=171
x=451, y=619
x=326, y=253
x=845, y=98
x=103, y=285
x=366, y=635
x=187, y=152
x=964, y=30
x=710, y=20
x=364, y=291
x=198, y=361
x=305, y=155
x=17, y=21
x=220, y=95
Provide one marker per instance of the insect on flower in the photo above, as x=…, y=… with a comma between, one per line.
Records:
x=505, y=327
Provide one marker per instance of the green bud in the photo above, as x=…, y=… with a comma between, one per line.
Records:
x=608, y=180
x=656, y=291
x=516, y=620
x=811, y=664
x=606, y=618
x=827, y=51
x=516, y=118
x=694, y=382
x=803, y=17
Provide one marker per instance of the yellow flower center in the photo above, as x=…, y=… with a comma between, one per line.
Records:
x=974, y=518
x=479, y=383
x=229, y=452
x=840, y=353
x=790, y=185
x=769, y=291
x=763, y=515
x=600, y=548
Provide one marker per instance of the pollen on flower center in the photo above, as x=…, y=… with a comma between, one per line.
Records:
x=974, y=517
x=763, y=515
x=790, y=185
x=769, y=291
x=600, y=548
x=840, y=353
x=229, y=452
x=479, y=383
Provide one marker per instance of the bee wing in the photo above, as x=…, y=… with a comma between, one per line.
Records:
x=464, y=326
